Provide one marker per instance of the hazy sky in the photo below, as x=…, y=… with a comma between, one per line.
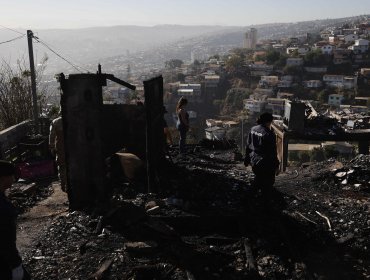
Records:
x=42, y=14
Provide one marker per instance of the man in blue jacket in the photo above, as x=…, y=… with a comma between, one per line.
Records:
x=10, y=262
x=261, y=154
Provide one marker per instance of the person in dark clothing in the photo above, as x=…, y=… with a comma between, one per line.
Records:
x=261, y=154
x=182, y=124
x=10, y=262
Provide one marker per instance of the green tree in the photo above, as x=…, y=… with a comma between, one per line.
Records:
x=15, y=88
x=323, y=96
x=272, y=57
x=234, y=64
x=315, y=58
x=181, y=77
x=293, y=70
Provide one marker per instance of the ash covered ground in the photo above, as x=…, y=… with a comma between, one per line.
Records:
x=208, y=224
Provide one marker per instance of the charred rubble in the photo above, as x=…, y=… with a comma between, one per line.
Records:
x=208, y=225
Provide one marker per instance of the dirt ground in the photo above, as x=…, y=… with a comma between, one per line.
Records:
x=32, y=223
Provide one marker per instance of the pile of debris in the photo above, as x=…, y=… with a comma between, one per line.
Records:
x=355, y=176
x=26, y=195
x=208, y=224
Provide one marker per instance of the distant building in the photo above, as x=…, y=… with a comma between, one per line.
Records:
x=317, y=69
x=360, y=46
x=284, y=84
x=293, y=61
x=312, y=84
x=250, y=40
x=258, y=69
x=350, y=38
x=210, y=86
x=285, y=95
x=211, y=81
x=325, y=35
x=365, y=72
x=190, y=91
x=340, y=81
x=341, y=56
x=335, y=100
x=327, y=49
x=260, y=93
x=269, y=81
x=254, y=106
x=333, y=79
x=299, y=50
x=276, y=106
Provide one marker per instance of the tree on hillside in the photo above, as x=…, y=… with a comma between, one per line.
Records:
x=293, y=70
x=272, y=57
x=173, y=63
x=15, y=92
x=315, y=58
x=234, y=64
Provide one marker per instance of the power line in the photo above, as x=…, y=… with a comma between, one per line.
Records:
x=12, y=30
x=78, y=68
x=11, y=40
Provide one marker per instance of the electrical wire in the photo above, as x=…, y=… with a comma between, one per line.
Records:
x=12, y=30
x=78, y=68
x=11, y=40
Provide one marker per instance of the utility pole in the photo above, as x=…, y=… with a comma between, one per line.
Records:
x=33, y=80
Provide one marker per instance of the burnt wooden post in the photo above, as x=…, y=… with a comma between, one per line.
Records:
x=82, y=103
x=153, y=90
x=282, y=142
x=363, y=147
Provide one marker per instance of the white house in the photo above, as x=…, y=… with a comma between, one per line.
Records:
x=327, y=49
x=300, y=50
x=269, y=81
x=255, y=106
x=350, y=38
x=294, y=61
x=211, y=81
x=195, y=87
x=333, y=78
x=312, y=84
x=276, y=106
x=335, y=100
x=360, y=46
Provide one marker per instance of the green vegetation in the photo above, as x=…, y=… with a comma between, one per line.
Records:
x=315, y=58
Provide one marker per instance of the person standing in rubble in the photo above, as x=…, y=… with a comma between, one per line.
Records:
x=167, y=133
x=11, y=267
x=182, y=124
x=56, y=144
x=261, y=154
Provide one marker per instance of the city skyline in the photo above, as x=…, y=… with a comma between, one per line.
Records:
x=43, y=14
